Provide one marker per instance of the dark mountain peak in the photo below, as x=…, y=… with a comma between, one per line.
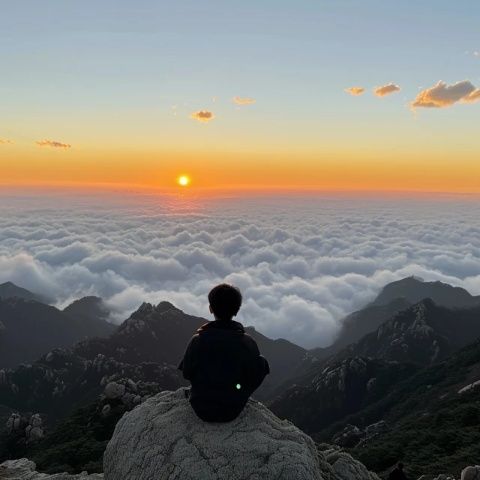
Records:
x=415, y=321
x=153, y=313
x=360, y=323
x=165, y=306
x=10, y=290
x=32, y=328
x=90, y=305
x=151, y=321
x=143, y=310
x=23, y=303
x=414, y=289
x=424, y=333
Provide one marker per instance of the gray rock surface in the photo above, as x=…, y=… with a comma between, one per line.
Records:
x=468, y=473
x=24, y=469
x=349, y=436
x=114, y=390
x=471, y=473
x=347, y=468
x=162, y=439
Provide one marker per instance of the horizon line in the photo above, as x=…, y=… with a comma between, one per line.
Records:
x=111, y=187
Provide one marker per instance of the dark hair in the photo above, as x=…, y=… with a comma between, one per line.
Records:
x=225, y=301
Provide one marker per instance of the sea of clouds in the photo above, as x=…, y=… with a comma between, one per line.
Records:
x=302, y=263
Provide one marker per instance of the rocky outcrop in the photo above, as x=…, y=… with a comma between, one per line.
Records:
x=470, y=388
x=163, y=439
x=338, y=389
x=30, y=429
x=471, y=473
x=24, y=469
x=352, y=435
x=349, y=436
x=62, y=378
x=344, y=466
x=468, y=473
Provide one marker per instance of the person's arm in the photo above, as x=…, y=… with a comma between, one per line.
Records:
x=260, y=371
x=188, y=364
x=258, y=367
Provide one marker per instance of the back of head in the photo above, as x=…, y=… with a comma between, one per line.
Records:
x=225, y=301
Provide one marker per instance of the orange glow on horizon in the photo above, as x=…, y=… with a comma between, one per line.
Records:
x=334, y=170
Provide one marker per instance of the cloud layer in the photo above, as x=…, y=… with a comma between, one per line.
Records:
x=203, y=116
x=442, y=95
x=53, y=144
x=386, y=90
x=302, y=264
x=4, y=141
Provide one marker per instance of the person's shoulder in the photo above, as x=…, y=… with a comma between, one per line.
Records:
x=194, y=340
x=250, y=341
x=249, y=338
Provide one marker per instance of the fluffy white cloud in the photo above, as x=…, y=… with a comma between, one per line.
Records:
x=386, y=90
x=442, y=95
x=302, y=264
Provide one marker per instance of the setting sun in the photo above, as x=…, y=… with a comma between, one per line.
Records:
x=183, y=180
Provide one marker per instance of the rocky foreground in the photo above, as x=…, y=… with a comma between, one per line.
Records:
x=169, y=442
x=162, y=439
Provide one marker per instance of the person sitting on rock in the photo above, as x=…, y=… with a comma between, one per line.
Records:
x=222, y=362
x=397, y=473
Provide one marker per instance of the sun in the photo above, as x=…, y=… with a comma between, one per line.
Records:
x=183, y=180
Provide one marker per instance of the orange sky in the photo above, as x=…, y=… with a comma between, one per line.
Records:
x=139, y=96
x=340, y=170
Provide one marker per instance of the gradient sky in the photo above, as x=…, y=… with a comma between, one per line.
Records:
x=119, y=81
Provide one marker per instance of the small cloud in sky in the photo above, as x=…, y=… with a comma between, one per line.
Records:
x=476, y=53
x=386, y=90
x=244, y=100
x=5, y=141
x=203, y=116
x=53, y=144
x=355, y=91
x=442, y=95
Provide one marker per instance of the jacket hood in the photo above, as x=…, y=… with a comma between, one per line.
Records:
x=231, y=325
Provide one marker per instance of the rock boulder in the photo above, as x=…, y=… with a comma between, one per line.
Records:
x=162, y=439
x=24, y=469
x=471, y=473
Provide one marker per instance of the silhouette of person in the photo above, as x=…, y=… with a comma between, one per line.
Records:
x=222, y=362
x=397, y=473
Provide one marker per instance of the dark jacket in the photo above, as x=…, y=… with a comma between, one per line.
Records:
x=225, y=367
x=397, y=474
